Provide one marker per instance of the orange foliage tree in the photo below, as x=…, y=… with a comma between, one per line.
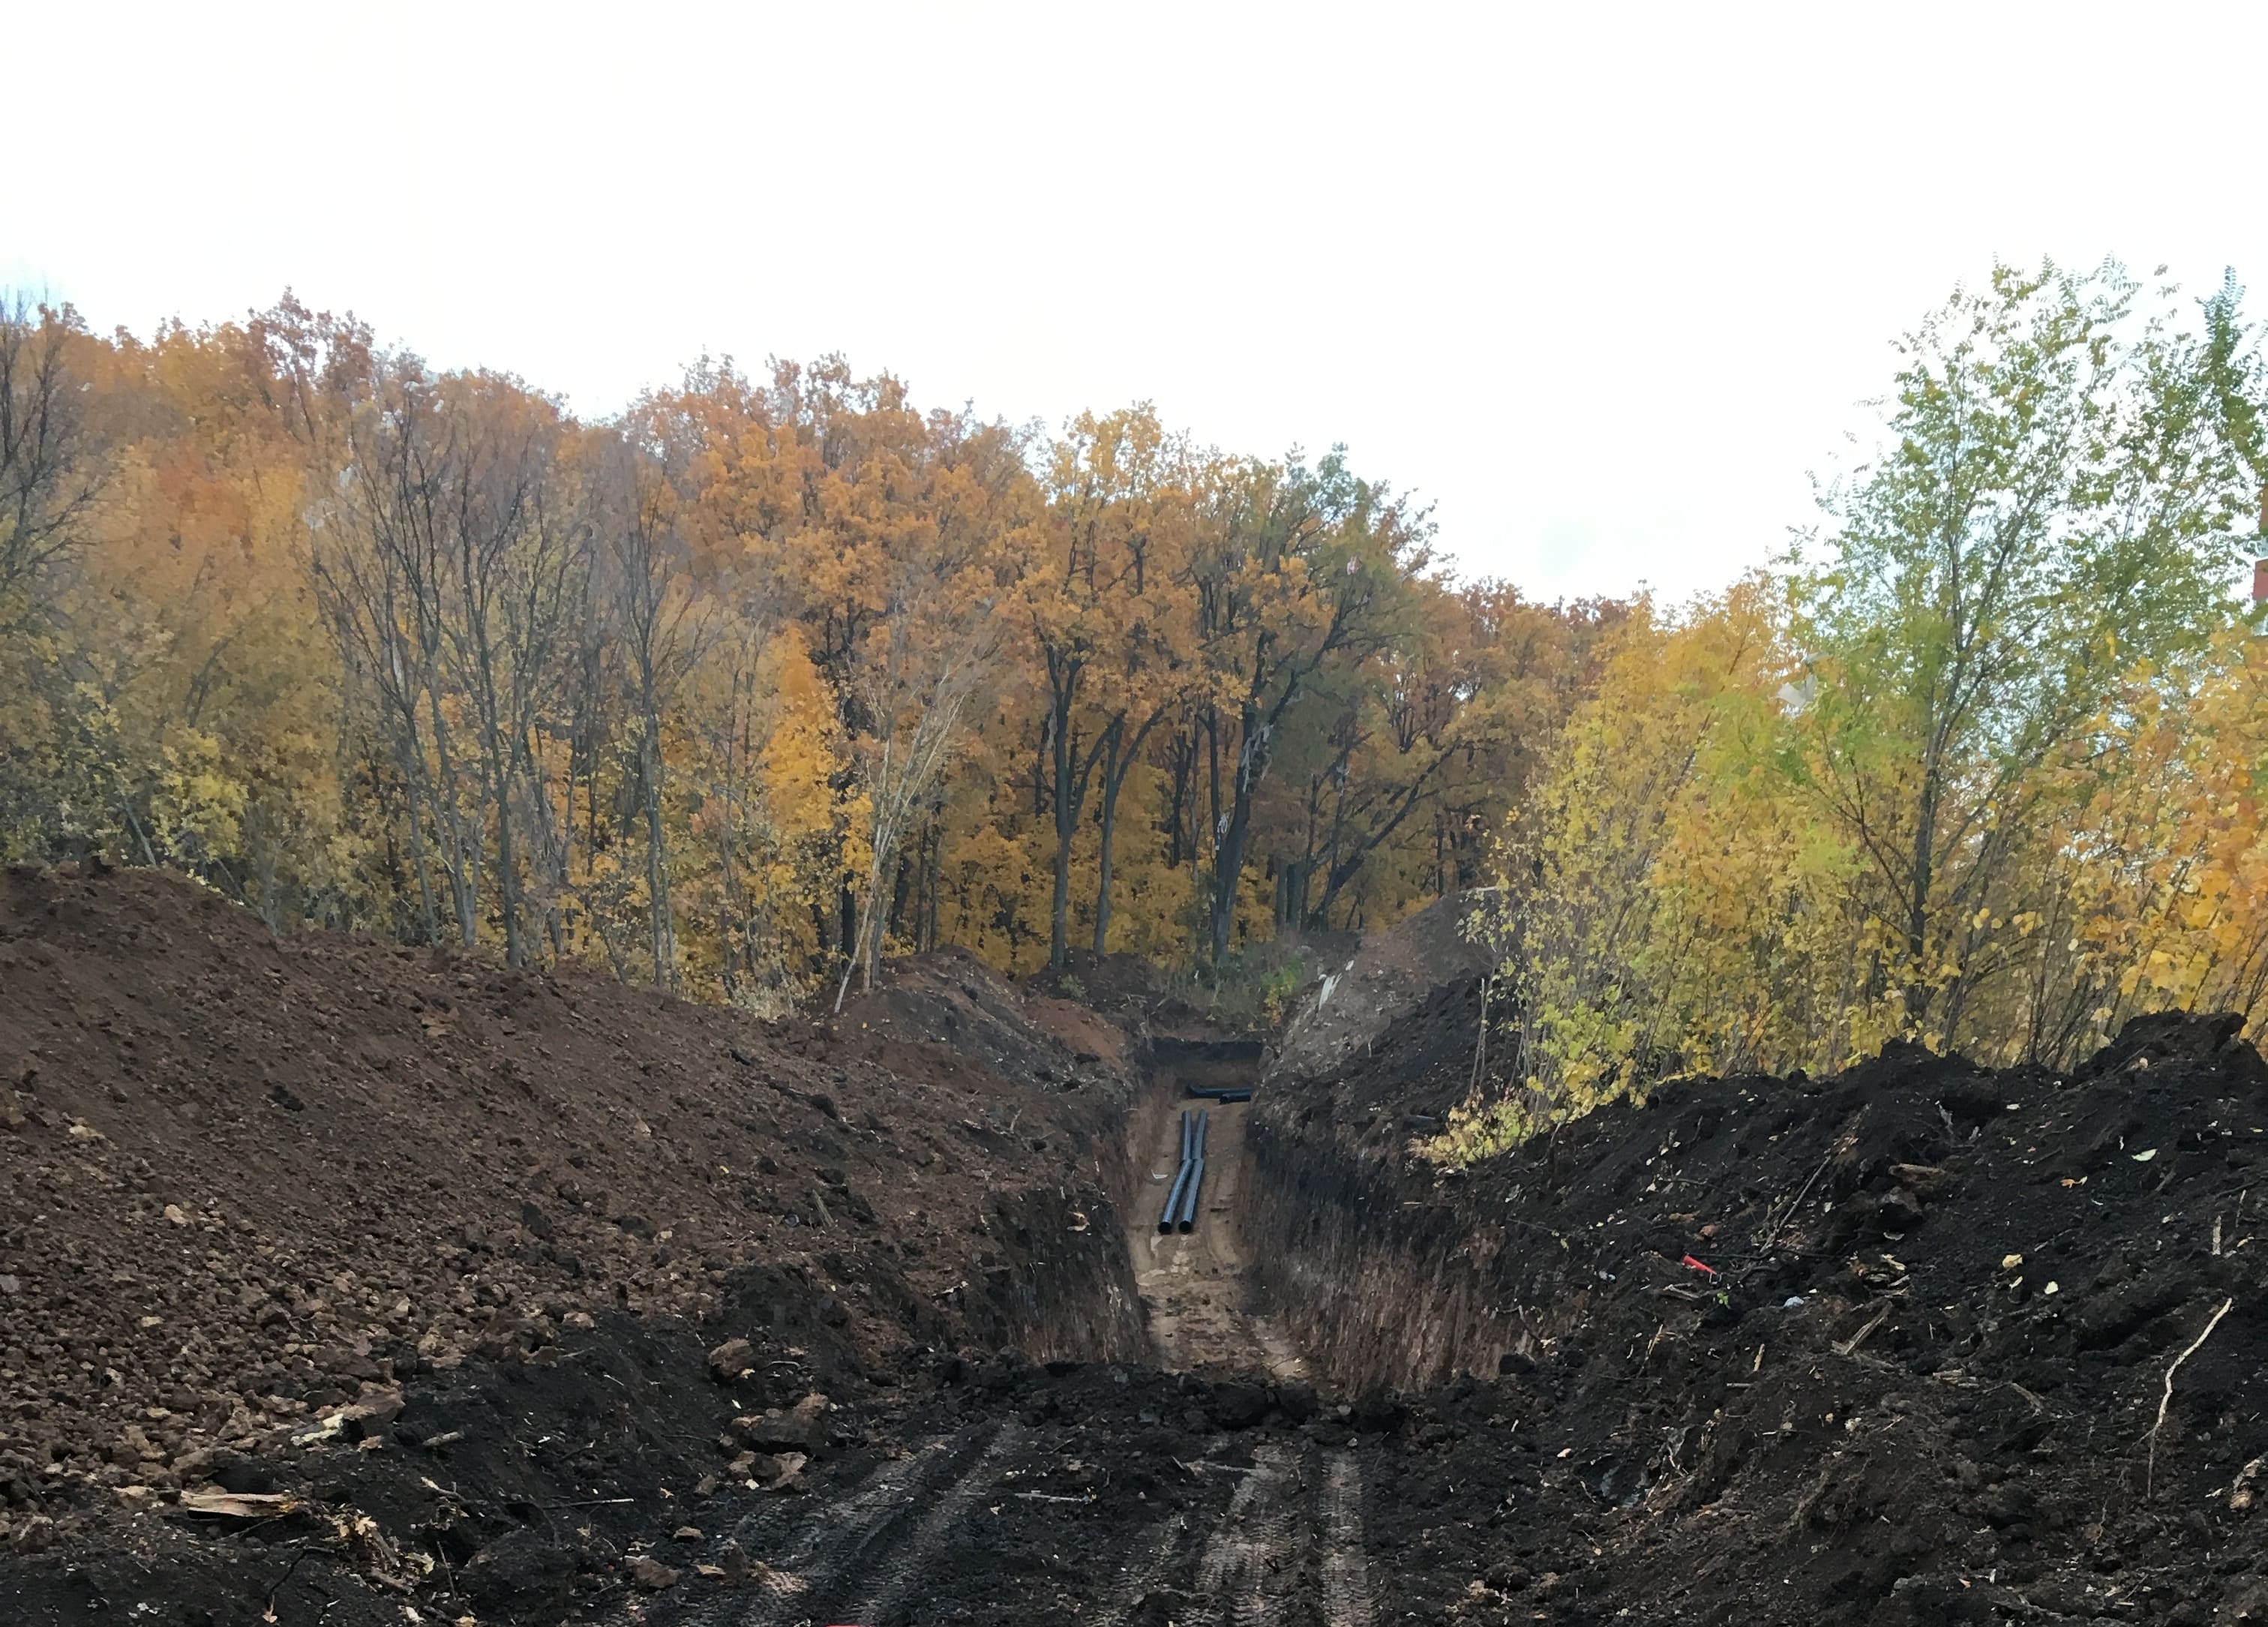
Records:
x=741, y=690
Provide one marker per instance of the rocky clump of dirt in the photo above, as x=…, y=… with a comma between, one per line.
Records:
x=251, y=1187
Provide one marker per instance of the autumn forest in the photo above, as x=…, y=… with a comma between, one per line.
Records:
x=779, y=672
x=761, y=681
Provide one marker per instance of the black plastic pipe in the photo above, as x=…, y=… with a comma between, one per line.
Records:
x=1167, y=1216
x=1187, y=1218
x=1189, y=1221
x=1173, y=1200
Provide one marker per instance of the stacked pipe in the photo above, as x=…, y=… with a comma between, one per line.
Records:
x=1180, y=1179
x=1181, y=1208
x=1188, y=1216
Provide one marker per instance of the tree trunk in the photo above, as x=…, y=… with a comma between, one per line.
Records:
x=1917, y=994
x=515, y=951
x=1119, y=758
x=409, y=776
x=1228, y=853
x=464, y=865
x=1066, y=813
x=657, y=855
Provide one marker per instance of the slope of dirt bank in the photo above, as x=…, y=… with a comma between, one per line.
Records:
x=947, y=1010
x=1888, y=1347
x=1389, y=974
x=245, y=1184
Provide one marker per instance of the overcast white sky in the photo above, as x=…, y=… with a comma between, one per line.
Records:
x=1602, y=281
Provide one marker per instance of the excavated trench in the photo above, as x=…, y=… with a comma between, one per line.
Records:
x=1196, y=1285
x=1376, y=1277
x=1207, y=1483
x=1309, y=1260
x=1897, y=1347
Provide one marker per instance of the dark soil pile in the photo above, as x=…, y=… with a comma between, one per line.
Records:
x=947, y=1013
x=246, y=1184
x=1888, y=1347
x=1358, y=999
x=1126, y=987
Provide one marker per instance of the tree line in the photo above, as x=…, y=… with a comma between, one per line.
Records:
x=1978, y=765
x=738, y=690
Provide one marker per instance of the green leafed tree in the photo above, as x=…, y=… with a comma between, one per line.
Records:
x=2060, y=501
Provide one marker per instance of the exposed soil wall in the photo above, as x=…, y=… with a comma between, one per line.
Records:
x=1382, y=1276
x=1372, y=1276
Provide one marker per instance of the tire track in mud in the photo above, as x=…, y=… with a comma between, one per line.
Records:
x=1248, y=1564
x=884, y=1580
x=1140, y=1577
x=1345, y=1564
x=1293, y=1528
x=872, y=1542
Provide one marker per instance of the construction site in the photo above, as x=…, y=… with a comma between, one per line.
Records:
x=354, y=1283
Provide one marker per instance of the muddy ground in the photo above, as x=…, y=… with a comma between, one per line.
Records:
x=1892, y=1347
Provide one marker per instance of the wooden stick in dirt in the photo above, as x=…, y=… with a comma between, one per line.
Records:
x=2150, y=1474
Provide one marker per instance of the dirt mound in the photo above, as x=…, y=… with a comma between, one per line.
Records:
x=246, y=1184
x=1888, y=1347
x=518, y=1491
x=1392, y=974
x=1127, y=987
x=947, y=1010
